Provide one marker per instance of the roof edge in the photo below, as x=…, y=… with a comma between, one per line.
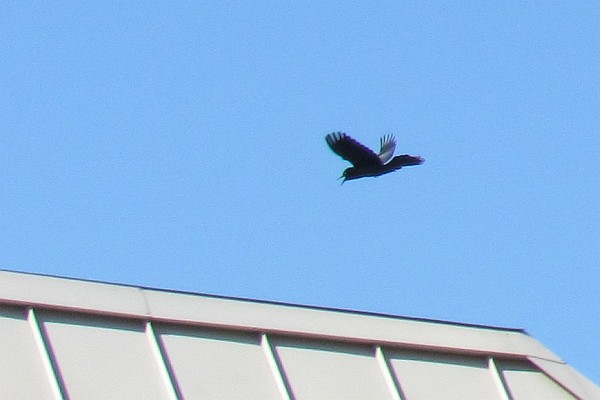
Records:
x=273, y=302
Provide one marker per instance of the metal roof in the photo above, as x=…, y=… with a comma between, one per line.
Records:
x=64, y=338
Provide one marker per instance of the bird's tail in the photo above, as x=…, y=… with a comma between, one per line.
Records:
x=405, y=160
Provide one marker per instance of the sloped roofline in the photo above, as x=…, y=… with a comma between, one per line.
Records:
x=276, y=303
x=220, y=312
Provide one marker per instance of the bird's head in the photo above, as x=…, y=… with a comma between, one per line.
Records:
x=348, y=174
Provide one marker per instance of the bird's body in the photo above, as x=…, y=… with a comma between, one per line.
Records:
x=365, y=162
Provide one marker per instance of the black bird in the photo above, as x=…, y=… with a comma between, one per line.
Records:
x=365, y=162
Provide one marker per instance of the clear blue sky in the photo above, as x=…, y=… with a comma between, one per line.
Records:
x=181, y=145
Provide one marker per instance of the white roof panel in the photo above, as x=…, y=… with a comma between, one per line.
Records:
x=331, y=371
x=424, y=376
x=22, y=373
x=209, y=364
x=103, y=358
x=524, y=382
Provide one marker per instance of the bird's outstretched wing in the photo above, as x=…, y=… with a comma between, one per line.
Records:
x=349, y=149
x=387, y=145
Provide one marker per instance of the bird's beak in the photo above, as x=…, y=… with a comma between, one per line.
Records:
x=343, y=178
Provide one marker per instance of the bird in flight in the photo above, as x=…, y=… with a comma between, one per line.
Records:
x=364, y=160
